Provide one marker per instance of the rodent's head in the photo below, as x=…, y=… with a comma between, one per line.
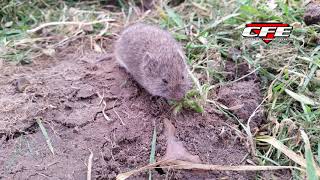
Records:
x=167, y=78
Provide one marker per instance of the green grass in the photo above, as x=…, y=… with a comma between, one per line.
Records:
x=208, y=29
x=17, y=17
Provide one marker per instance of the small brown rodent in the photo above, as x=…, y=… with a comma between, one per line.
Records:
x=154, y=59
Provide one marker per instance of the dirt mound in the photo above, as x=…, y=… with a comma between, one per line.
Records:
x=243, y=98
x=74, y=96
x=242, y=93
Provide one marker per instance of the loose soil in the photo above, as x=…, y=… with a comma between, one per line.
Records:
x=67, y=93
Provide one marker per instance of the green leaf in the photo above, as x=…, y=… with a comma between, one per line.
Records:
x=195, y=106
x=250, y=10
x=278, y=87
x=286, y=74
x=175, y=17
x=192, y=93
x=180, y=36
x=319, y=153
x=311, y=169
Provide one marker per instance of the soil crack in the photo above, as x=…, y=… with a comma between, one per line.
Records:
x=33, y=128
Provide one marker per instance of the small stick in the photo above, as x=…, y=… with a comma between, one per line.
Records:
x=90, y=165
x=67, y=23
x=196, y=81
x=248, y=129
x=104, y=107
x=117, y=112
x=103, y=111
x=101, y=97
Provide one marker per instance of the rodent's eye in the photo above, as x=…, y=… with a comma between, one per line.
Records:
x=165, y=81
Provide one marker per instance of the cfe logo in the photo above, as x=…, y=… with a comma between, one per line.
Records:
x=267, y=31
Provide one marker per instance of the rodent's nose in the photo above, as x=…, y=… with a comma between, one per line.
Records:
x=177, y=93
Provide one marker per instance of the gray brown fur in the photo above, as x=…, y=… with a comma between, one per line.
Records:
x=154, y=59
x=312, y=13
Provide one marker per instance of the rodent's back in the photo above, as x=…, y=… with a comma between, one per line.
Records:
x=140, y=38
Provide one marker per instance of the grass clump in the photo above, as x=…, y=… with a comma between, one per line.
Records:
x=63, y=21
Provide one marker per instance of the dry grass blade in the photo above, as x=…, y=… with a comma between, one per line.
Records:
x=104, y=107
x=177, y=164
x=67, y=23
x=301, y=98
x=45, y=134
x=248, y=129
x=103, y=111
x=89, y=165
x=124, y=176
x=196, y=81
x=217, y=22
x=285, y=150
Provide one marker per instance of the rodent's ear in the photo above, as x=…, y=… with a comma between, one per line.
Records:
x=149, y=63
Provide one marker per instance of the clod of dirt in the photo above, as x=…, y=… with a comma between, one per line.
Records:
x=21, y=84
x=312, y=13
x=175, y=149
x=243, y=98
x=85, y=92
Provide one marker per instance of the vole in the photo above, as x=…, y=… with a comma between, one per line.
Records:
x=154, y=59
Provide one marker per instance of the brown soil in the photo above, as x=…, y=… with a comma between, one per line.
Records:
x=65, y=93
